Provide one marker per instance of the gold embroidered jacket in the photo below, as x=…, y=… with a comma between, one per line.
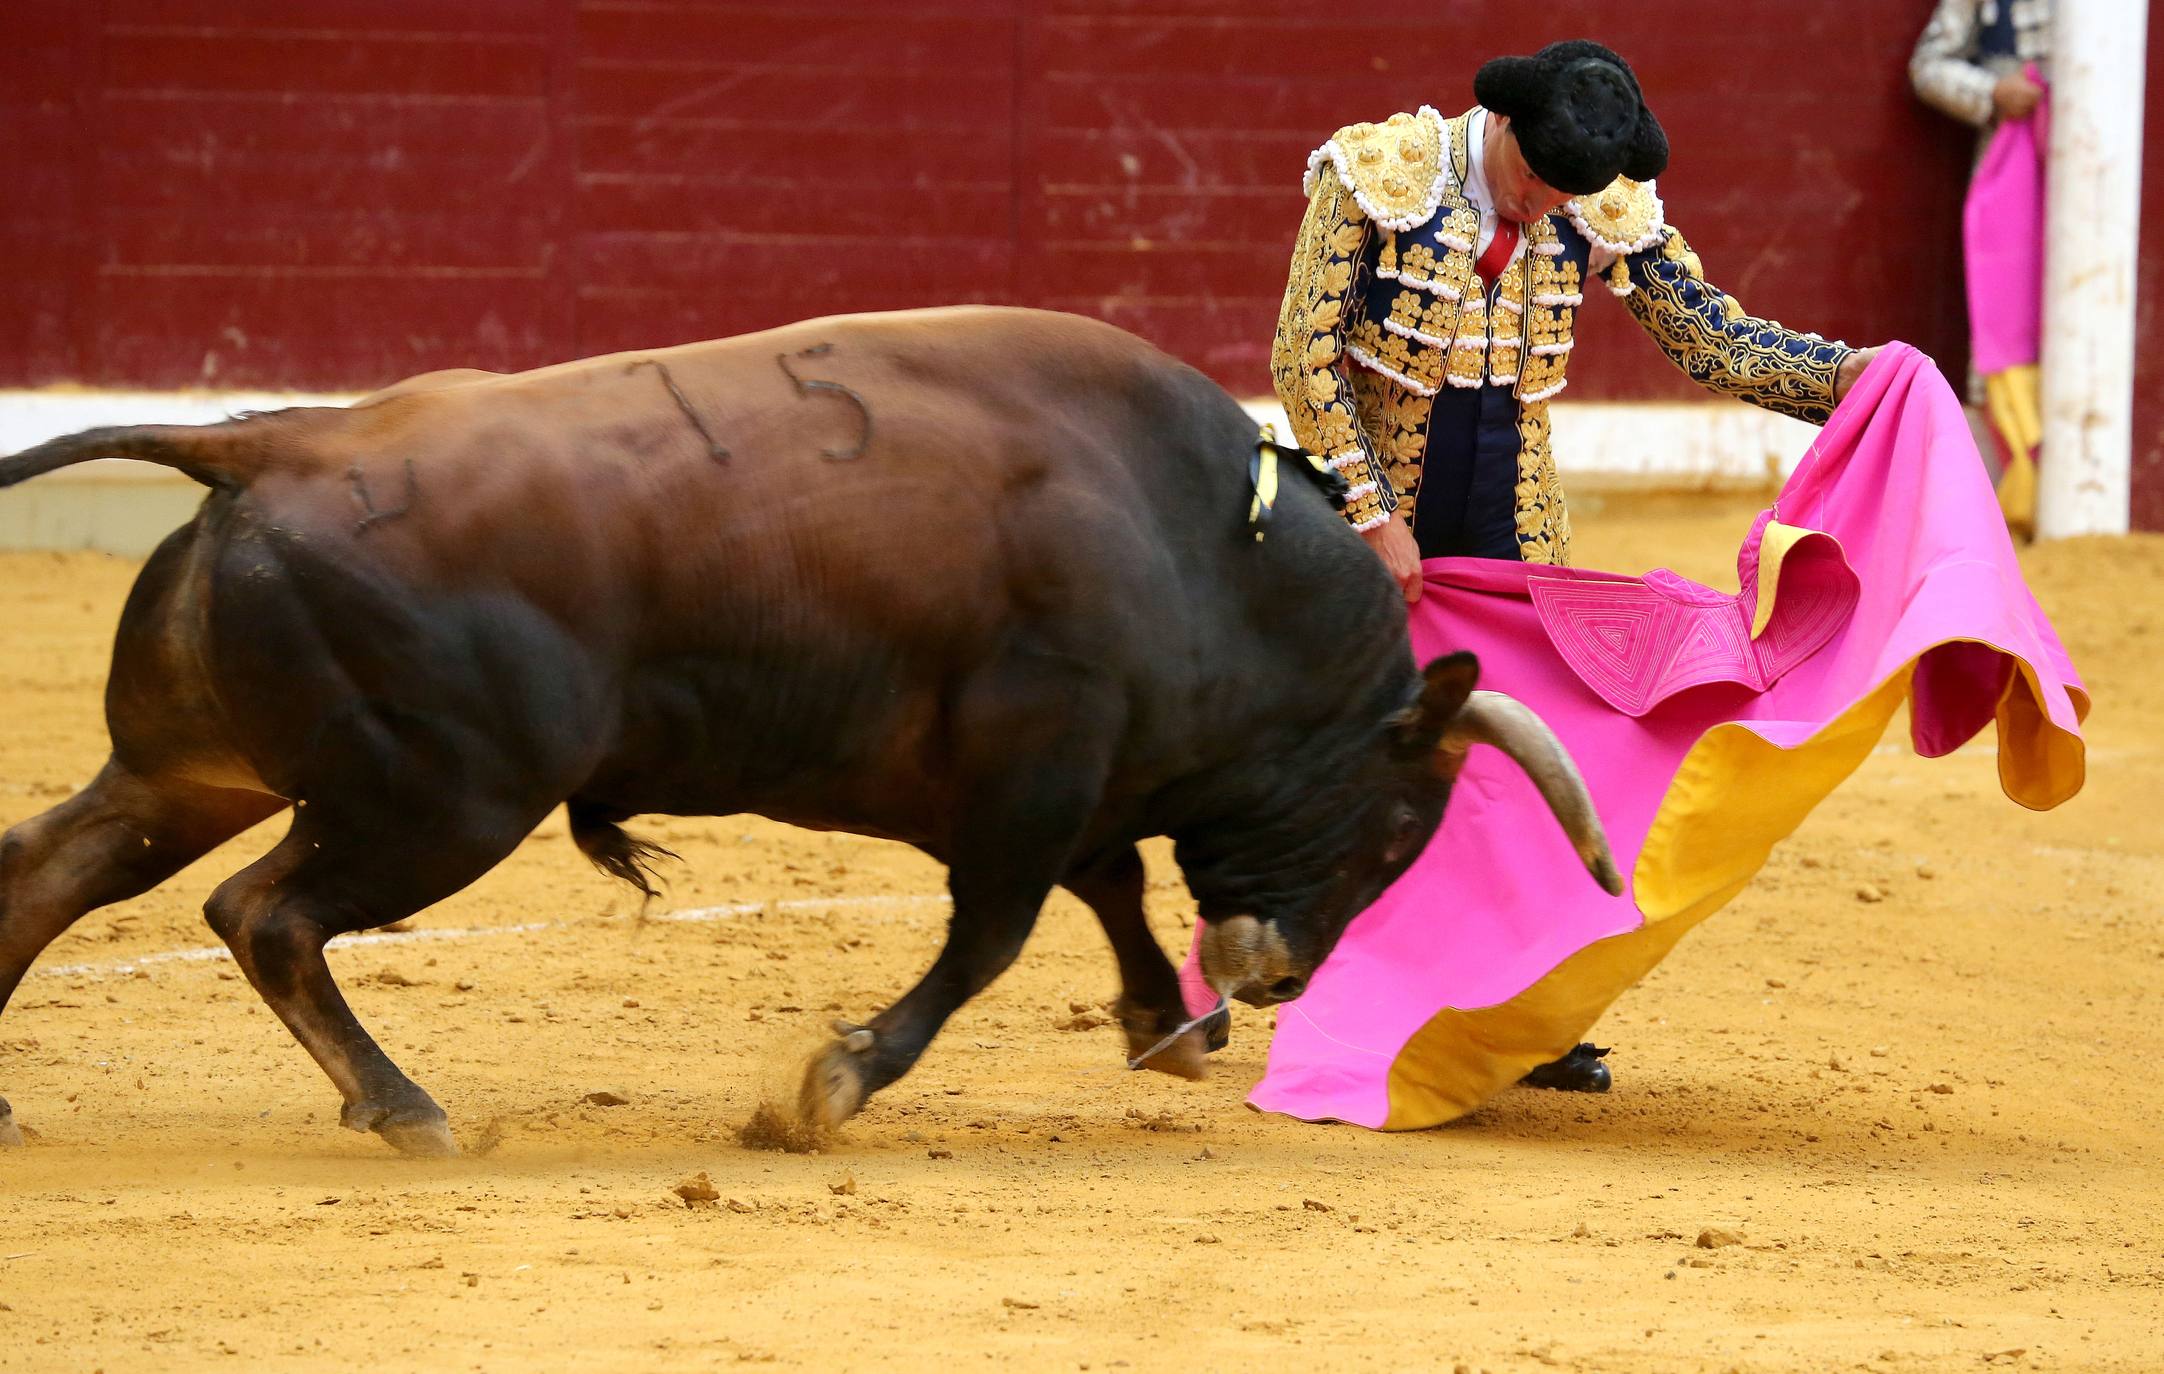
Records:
x=1382, y=308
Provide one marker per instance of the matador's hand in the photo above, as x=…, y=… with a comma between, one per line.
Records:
x=1393, y=544
x=1851, y=368
x=2015, y=96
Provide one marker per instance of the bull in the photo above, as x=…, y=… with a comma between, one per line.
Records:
x=981, y=580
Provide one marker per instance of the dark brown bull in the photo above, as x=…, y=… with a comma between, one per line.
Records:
x=980, y=580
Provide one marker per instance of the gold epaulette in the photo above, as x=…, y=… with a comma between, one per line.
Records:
x=1623, y=217
x=1394, y=169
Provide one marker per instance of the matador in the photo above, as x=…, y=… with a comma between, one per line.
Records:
x=1435, y=287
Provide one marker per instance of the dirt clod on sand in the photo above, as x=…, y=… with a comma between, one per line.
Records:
x=698, y=1191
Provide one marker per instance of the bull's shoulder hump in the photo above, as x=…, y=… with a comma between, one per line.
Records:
x=1018, y=331
x=426, y=382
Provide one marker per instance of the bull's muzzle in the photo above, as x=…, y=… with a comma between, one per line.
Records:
x=1245, y=959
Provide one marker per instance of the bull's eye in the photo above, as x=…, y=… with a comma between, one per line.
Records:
x=1404, y=834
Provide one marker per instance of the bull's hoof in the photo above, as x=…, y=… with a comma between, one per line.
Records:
x=1580, y=1071
x=833, y=1089
x=1217, y=1030
x=11, y=1135
x=421, y=1132
x=1185, y=1057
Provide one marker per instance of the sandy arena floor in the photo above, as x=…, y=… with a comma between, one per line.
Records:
x=1933, y=1120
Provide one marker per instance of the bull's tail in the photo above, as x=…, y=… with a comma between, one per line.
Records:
x=223, y=456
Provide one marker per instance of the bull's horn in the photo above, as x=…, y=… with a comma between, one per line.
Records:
x=1492, y=718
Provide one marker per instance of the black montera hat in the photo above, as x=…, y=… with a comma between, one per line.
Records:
x=1578, y=114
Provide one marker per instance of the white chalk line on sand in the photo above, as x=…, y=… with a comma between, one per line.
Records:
x=688, y=916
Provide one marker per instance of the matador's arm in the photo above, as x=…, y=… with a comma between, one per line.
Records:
x=1708, y=335
x=1307, y=359
x=1941, y=70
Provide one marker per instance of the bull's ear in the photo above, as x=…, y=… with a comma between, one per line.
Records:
x=1444, y=685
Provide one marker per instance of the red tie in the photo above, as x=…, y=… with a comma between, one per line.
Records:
x=1497, y=257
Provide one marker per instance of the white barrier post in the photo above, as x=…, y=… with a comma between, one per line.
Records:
x=2092, y=237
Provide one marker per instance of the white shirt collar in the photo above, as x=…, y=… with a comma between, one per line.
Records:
x=1476, y=172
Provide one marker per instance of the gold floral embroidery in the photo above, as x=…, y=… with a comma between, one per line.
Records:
x=1543, y=520
x=1708, y=335
x=1306, y=357
x=1506, y=326
x=1440, y=320
x=1550, y=322
x=1451, y=275
x=1469, y=349
x=1394, y=169
x=1409, y=310
x=1396, y=356
x=1397, y=421
x=1623, y=217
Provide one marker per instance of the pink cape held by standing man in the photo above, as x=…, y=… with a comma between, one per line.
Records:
x=1707, y=726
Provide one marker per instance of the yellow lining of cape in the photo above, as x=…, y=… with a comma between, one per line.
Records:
x=1733, y=798
x=1774, y=545
x=2011, y=400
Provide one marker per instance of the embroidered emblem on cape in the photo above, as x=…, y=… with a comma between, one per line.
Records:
x=1624, y=217
x=1638, y=642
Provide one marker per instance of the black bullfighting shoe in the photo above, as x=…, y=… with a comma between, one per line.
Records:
x=1580, y=1071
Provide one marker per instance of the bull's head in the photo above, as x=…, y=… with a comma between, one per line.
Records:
x=1393, y=802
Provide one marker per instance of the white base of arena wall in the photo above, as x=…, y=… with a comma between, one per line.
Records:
x=126, y=508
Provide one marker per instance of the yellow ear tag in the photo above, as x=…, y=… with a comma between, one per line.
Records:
x=1263, y=473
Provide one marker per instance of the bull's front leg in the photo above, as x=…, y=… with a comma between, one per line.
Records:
x=993, y=915
x=1149, y=1008
x=1037, y=741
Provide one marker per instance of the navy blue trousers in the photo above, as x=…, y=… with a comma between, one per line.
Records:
x=1468, y=504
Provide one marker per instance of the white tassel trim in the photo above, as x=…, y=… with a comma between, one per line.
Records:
x=1503, y=379
x=1549, y=250
x=1551, y=350
x=1353, y=494
x=1422, y=213
x=1452, y=241
x=1433, y=288
x=1462, y=383
x=1372, y=364
x=1373, y=522
x=1406, y=331
x=1555, y=298
x=1619, y=292
x=1514, y=307
x=1470, y=344
x=1616, y=246
x=1350, y=458
x=1545, y=392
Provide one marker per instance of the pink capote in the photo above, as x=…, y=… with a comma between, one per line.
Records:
x=2002, y=234
x=1498, y=901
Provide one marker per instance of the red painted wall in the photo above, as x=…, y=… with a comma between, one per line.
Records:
x=337, y=194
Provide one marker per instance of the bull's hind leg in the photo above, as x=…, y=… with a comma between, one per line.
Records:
x=116, y=839
x=335, y=874
x=1037, y=746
